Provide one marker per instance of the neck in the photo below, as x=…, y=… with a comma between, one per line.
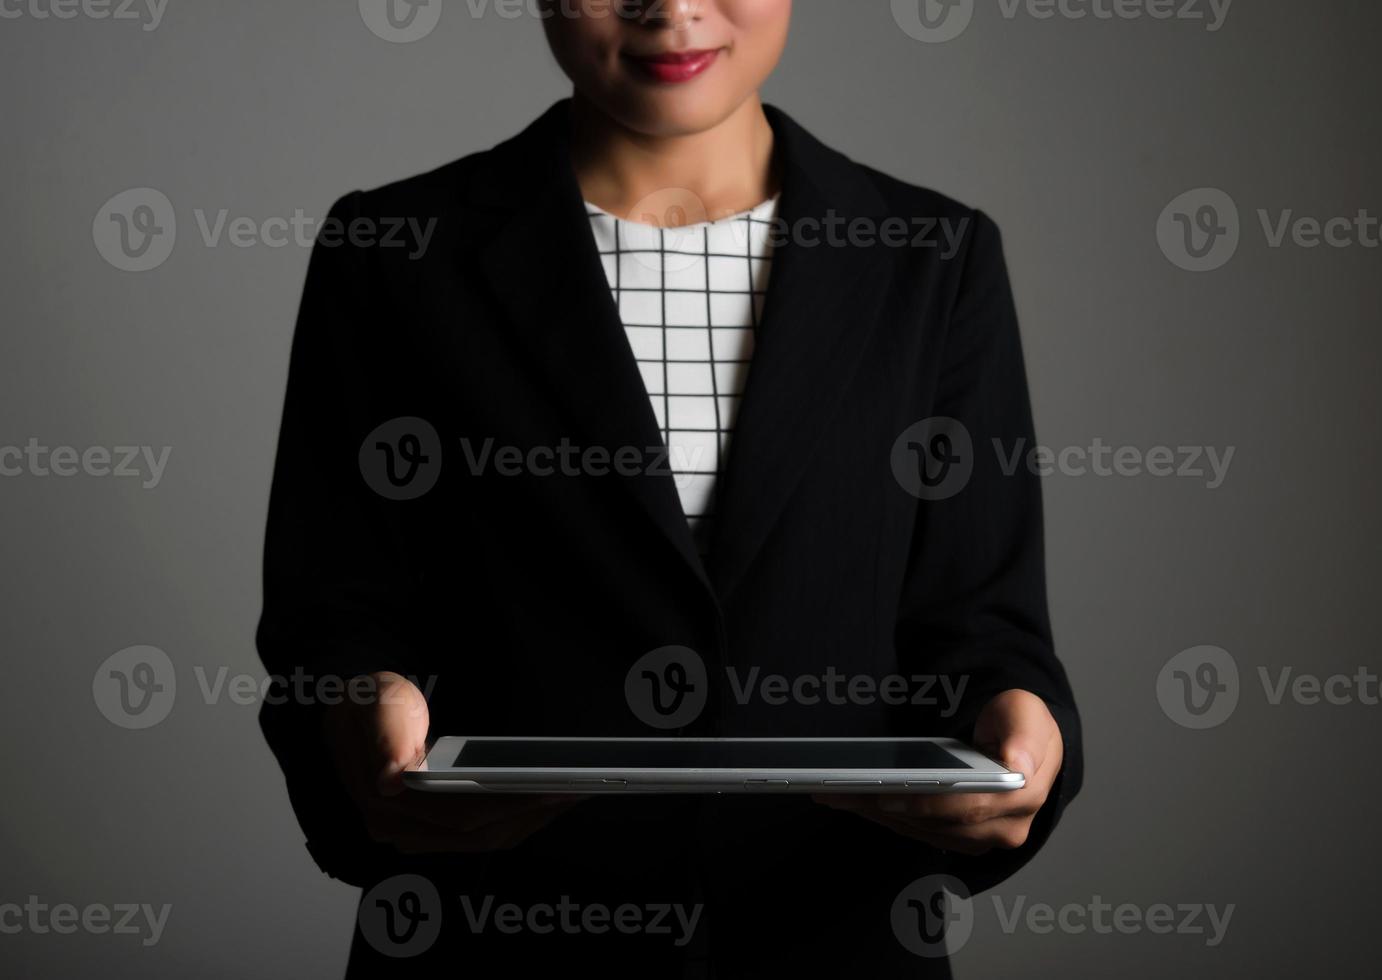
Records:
x=674, y=180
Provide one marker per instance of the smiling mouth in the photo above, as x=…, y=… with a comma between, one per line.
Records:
x=674, y=66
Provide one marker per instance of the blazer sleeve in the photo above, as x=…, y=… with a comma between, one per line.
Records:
x=974, y=599
x=335, y=591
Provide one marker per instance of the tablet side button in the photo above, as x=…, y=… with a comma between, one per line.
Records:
x=853, y=782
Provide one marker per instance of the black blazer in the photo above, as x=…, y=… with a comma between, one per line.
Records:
x=526, y=599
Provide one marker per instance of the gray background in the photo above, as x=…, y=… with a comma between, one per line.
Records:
x=1074, y=135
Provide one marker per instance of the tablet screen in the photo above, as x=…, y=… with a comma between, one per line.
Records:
x=689, y=754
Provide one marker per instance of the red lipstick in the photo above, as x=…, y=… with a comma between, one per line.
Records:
x=674, y=66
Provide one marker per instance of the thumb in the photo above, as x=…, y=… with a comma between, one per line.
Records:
x=1012, y=728
x=400, y=728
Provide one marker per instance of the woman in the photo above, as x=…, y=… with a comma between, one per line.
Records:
x=800, y=363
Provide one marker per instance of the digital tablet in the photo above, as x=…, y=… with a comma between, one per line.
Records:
x=471, y=764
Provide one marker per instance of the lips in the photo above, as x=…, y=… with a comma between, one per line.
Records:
x=674, y=66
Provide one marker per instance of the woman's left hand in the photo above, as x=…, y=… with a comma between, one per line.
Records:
x=1015, y=728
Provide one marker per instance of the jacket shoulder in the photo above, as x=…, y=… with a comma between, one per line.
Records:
x=914, y=200
x=420, y=194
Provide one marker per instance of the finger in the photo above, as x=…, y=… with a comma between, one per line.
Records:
x=1016, y=727
x=954, y=809
x=400, y=744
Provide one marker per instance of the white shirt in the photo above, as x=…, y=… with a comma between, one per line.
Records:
x=691, y=299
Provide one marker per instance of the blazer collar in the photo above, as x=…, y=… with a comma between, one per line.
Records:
x=821, y=305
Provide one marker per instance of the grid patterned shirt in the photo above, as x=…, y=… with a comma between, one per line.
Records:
x=691, y=299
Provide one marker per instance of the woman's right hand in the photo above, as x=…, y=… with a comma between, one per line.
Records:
x=375, y=739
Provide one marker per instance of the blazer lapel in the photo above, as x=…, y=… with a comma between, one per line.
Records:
x=545, y=270
x=822, y=303
x=821, y=306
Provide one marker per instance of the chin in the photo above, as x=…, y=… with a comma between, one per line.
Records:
x=675, y=113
